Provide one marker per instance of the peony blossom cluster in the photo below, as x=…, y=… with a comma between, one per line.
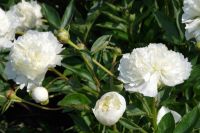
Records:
x=147, y=68
x=20, y=18
x=32, y=53
x=143, y=70
x=191, y=17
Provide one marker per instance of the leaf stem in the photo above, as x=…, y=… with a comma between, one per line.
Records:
x=115, y=128
x=41, y=107
x=95, y=62
x=72, y=44
x=103, y=68
x=58, y=73
x=104, y=129
x=154, y=114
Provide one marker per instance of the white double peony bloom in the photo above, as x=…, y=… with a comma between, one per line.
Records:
x=20, y=17
x=7, y=30
x=191, y=17
x=164, y=110
x=40, y=94
x=27, y=14
x=109, y=108
x=31, y=56
x=146, y=68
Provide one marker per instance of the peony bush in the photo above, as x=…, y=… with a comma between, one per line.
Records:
x=99, y=66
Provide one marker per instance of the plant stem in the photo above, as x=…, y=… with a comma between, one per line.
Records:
x=41, y=107
x=58, y=73
x=103, y=68
x=72, y=44
x=154, y=114
x=104, y=129
x=90, y=68
x=95, y=62
x=115, y=128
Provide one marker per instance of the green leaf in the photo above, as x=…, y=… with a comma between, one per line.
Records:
x=130, y=125
x=80, y=72
x=51, y=15
x=2, y=99
x=57, y=85
x=114, y=17
x=80, y=123
x=113, y=26
x=91, y=18
x=100, y=43
x=171, y=33
x=74, y=99
x=5, y=106
x=167, y=124
x=68, y=14
x=188, y=121
x=134, y=111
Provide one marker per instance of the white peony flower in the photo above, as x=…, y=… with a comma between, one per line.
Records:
x=39, y=94
x=31, y=56
x=164, y=110
x=146, y=68
x=27, y=14
x=109, y=108
x=191, y=17
x=7, y=30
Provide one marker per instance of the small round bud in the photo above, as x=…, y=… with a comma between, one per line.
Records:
x=63, y=35
x=40, y=95
x=198, y=45
x=118, y=51
x=10, y=94
x=81, y=46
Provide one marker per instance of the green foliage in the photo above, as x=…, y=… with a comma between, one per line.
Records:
x=99, y=28
x=166, y=124
x=51, y=15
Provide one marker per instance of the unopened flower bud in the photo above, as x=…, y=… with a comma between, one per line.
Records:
x=109, y=108
x=40, y=95
x=81, y=46
x=63, y=35
x=118, y=51
x=198, y=45
x=11, y=95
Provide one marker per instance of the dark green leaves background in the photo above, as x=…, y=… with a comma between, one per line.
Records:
x=105, y=28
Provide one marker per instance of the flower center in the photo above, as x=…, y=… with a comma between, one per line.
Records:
x=110, y=102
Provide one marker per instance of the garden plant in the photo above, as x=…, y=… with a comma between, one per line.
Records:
x=99, y=66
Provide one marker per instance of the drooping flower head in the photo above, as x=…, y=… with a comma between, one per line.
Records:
x=146, y=68
x=191, y=17
x=164, y=110
x=31, y=56
x=27, y=14
x=109, y=108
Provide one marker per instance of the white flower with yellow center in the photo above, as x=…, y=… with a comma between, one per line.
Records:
x=31, y=56
x=164, y=110
x=109, y=108
x=28, y=15
x=191, y=17
x=146, y=68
